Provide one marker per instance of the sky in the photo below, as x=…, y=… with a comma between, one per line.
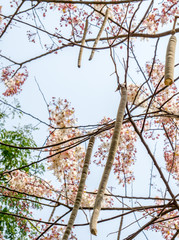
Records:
x=91, y=91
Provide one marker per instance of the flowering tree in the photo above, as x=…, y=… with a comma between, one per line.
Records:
x=148, y=113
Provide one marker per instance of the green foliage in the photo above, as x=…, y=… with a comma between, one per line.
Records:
x=12, y=227
x=13, y=157
x=7, y=112
x=9, y=227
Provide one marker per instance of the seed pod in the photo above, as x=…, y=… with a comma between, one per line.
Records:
x=170, y=61
x=112, y=151
x=82, y=43
x=99, y=34
x=80, y=189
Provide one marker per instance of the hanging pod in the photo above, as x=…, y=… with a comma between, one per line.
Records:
x=80, y=191
x=82, y=43
x=99, y=33
x=170, y=61
x=112, y=151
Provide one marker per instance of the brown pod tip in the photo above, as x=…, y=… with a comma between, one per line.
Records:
x=168, y=81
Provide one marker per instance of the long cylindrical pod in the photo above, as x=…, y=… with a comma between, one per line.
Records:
x=82, y=43
x=80, y=189
x=99, y=34
x=110, y=160
x=170, y=61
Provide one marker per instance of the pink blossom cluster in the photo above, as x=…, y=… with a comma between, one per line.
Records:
x=171, y=147
x=67, y=165
x=163, y=96
x=161, y=16
x=169, y=100
x=70, y=15
x=69, y=162
x=136, y=95
x=73, y=17
x=62, y=7
x=168, y=224
x=55, y=232
x=172, y=162
x=21, y=181
x=13, y=81
x=24, y=207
